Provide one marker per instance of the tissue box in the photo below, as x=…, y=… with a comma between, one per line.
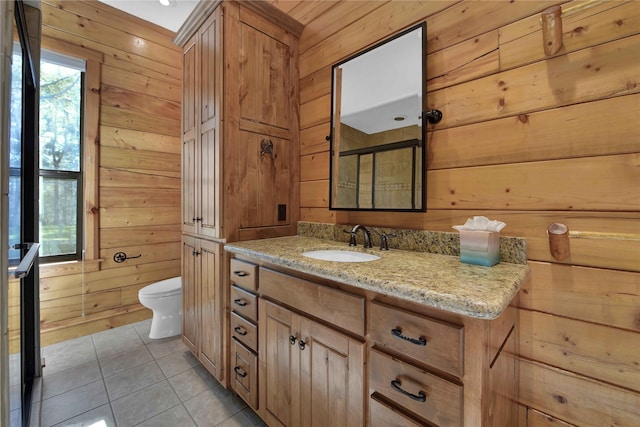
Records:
x=480, y=247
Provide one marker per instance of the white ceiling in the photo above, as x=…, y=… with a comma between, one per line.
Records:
x=382, y=84
x=170, y=17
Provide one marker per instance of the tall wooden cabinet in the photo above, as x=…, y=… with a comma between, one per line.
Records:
x=239, y=152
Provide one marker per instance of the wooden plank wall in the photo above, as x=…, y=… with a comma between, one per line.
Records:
x=138, y=176
x=529, y=140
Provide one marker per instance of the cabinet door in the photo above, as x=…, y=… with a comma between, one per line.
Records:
x=311, y=375
x=279, y=365
x=189, y=136
x=210, y=308
x=190, y=284
x=210, y=77
x=210, y=95
x=189, y=93
x=190, y=186
x=331, y=377
x=209, y=184
x=265, y=79
x=265, y=190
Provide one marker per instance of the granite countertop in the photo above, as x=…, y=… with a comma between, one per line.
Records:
x=439, y=281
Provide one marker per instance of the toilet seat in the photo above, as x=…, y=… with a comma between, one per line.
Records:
x=164, y=288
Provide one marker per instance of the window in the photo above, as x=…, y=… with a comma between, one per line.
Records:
x=61, y=158
x=61, y=83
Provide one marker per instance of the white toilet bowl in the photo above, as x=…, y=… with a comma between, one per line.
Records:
x=164, y=298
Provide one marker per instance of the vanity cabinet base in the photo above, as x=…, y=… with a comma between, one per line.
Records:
x=330, y=354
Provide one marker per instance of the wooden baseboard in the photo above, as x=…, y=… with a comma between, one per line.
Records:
x=55, y=332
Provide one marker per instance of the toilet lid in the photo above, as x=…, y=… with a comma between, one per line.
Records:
x=164, y=288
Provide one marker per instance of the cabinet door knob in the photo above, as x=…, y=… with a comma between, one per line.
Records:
x=396, y=332
x=302, y=344
x=292, y=340
x=240, y=330
x=241, y=372
x=240, y=301
x=420, y=397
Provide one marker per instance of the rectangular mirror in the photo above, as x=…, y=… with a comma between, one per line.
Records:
x=378, y=127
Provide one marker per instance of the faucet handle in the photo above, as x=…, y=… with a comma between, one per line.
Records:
x=352, y=238
x=384, y=241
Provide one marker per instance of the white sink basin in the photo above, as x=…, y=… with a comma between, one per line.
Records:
x=340, y=255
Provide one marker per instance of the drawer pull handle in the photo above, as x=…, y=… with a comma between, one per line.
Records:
x=398, y=333
x=420, y=397
x=240, y=330
x=241, y=273
x=292, y=340
x=241, y=372
x=241, y=302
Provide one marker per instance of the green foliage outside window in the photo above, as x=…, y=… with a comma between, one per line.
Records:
x=60, y=161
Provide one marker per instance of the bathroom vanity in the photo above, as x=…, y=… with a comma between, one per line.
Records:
x=412, y=338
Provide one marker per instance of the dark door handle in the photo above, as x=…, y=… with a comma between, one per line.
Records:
x=419, y=341
x=241, y=372
x=240, y=273
x=241, y=302
x=240, y=330
x=26, y=263
x=420, y=397
x=292, y=340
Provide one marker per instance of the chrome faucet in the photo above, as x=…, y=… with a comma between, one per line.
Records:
x=365, y=233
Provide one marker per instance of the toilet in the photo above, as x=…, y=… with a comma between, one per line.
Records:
x=164, y=298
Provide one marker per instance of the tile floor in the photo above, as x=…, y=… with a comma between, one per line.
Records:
x=122, y=378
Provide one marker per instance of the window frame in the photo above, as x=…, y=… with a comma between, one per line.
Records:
x=90, y=137
x=69, y=175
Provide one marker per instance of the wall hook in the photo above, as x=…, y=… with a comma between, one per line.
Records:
x=559, y=236
x=266, y=147
x=551, y=21
x=121, y=257
x=558, y=241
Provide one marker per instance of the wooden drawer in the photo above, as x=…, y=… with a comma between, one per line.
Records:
x=244, y=303
x=244, y=373
x=331, y=305
x=426, y=395
x=427, y=340
x=243, y=274
x=244, y=331
x=383, y=415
